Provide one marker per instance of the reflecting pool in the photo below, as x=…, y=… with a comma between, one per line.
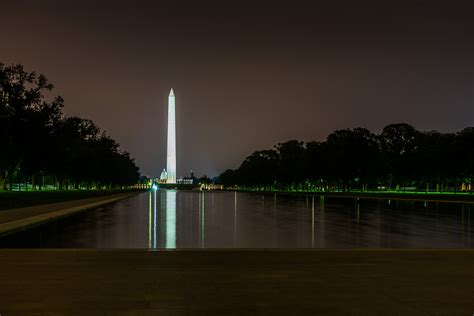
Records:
x=168, y=219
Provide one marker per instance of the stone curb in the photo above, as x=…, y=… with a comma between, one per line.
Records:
x=24, y=223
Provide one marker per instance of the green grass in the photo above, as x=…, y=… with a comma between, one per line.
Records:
x=15, y=199
x=179, y=186
x=420, y=196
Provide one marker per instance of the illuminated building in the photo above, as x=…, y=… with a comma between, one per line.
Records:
x=163, y=176
x=171, y=149
x=185, y=180
x=211, y=186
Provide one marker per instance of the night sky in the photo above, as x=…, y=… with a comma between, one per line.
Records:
x=249, y=76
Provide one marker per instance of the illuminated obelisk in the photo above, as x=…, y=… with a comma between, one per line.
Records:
x=171, y=150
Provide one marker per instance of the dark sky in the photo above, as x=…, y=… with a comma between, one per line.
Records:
x=248, y=76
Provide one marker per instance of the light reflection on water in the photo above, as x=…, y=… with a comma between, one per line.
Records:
x=170, y=227
x=168, y=219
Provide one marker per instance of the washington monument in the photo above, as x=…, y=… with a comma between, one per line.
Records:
x=171, y=150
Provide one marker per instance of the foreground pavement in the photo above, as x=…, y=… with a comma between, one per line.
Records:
x=321, y=282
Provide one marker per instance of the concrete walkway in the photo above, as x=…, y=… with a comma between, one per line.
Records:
x=237, y=282
x=21, y=218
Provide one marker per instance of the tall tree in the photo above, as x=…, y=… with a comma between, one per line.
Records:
x=26, y=119
x=400, y=144
x=36, y=140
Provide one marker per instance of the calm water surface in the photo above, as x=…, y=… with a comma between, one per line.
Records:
x=192, y=219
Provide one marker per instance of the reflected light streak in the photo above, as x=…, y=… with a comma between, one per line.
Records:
x=321, y=222
x=312, y=222
x=358, y=222
x=275, y=221
x=154, y=220
x=202, y=221
x=235, y=219
x=149, y=220
x=469, y=225
x=358, y=213
x=170, y=219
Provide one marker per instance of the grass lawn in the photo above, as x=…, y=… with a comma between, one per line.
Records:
x=416, y=196
x=438, y=196
x=15, y=199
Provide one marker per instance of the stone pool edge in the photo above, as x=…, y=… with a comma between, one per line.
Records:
x=47, y=216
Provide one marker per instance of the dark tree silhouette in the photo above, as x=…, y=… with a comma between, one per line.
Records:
x=258, y=169
x=40, y=146
x=400, y=158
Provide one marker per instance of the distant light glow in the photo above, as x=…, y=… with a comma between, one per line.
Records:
x=154, y=187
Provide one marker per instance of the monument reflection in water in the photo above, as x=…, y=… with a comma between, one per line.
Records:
x=232, y=220
x=162, y=219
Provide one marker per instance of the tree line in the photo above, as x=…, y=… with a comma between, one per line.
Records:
x=399, y=158
x=41, y=146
